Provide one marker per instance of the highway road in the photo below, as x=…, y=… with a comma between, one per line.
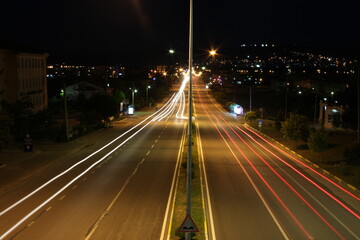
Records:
x=259, y=190
x=121, y=185
x=118, y=189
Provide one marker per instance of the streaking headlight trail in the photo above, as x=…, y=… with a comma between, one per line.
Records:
x=176, y=100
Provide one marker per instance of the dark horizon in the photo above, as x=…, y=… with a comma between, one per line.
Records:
x=147, y=30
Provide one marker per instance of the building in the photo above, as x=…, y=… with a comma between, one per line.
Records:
x=330, y=116
x=23, y=75
x=85, y=88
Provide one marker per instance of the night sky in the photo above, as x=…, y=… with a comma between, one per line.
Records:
x=134, y=27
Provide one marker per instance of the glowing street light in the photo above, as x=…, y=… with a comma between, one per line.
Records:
x=147, y=95
x=212, y=52
x=133, y=91
x=171, y=51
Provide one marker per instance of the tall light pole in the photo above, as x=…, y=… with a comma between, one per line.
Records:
x=147, y=95
x=358, y=102
x=250, y=97
x=316, y=99
x=64, y=94
x=133, y=91
x=188, y=204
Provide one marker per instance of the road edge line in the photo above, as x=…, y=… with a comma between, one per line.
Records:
x=167, y=223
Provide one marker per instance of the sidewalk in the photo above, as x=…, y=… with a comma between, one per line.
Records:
x=16, y=166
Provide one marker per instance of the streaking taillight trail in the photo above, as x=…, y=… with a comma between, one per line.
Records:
x=220, y=125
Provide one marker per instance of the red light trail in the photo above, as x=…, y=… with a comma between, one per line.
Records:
x=217, y=123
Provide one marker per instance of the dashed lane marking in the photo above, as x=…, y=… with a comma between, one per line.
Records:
x=30, y=224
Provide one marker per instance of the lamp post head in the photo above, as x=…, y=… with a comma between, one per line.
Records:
x=212, y=52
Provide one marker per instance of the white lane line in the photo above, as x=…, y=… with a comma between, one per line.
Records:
x=96, y=225
x=74, y=187
x=84, y=159
x=30, y=224
x=63, y=196
x=255, y=143
x=258, y=192
x=207, y=192
x=66, y=185
x=147, y=154
x=153, y=146
x=172, y=193
x=79, y=176
x=48, y=209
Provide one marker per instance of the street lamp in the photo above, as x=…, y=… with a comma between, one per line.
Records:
x=171, y=51
x=64, y=95
x=147, y=95
x=133, y=91
x=189, y=162
x=212, y=52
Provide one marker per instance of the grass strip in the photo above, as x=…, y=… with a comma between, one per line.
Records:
x=197, y=209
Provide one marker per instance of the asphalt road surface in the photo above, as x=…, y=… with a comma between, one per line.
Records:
x=259, y=190
x=116, y=189
x=120, y=185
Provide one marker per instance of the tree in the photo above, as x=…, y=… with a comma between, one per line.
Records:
x=20, y=113
x=250, y=115
x=295, y=127
x=317, y=141
x=99, y=108
x=119, y=96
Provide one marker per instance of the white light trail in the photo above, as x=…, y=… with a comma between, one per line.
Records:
x=164, y=112
x=160, y=111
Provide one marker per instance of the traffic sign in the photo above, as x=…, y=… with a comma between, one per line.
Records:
x=188, y=225
x=260, y=123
